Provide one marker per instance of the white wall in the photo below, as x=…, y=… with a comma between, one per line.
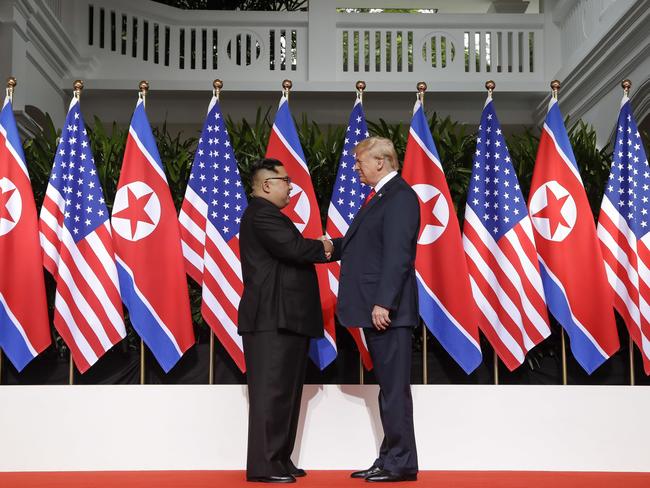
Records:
x=460, y=427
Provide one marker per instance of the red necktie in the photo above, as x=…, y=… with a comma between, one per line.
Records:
x=368, y=197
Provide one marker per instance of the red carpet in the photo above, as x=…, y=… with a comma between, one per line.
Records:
x=322, y=479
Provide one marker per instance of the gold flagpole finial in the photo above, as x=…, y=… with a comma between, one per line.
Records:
x=490, y=86
x=421, y=87
x=286, y=87
x=555, y=86
x=626, y=85
x=77, y=86
x=217, y=85
x=144, y=88
x=11, y=85
x=360, y=86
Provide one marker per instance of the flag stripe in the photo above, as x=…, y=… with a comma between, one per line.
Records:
x=24, y=323
x=503, y=296
x=80, y=274
x=347, y=196
x=284, y=145
x=213, y=198
x=78, y=307
x=500, y=249
x=504, y=344
x=226, y=251
x=77, y=249
x=445, y=294
x=82, y=354
x=147, y=322
x=224, y=329
x=622, y=230
x=23, y=350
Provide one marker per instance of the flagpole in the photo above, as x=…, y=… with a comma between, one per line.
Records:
x=360, y=85
x=632, y=378
x=422, y=87
x=286, y=88
x=217, y=85
x=77, y=87
x=564, y=371
x=490, y=85
x=142, y=94
x=626, y=85
x=211, y=372
x=71, y=370
x=144, y=88
x=11, y=84
x=142, y=353
x=555, y=88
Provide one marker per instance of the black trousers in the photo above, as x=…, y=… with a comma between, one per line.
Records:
x=276, y=362
x=391, y=355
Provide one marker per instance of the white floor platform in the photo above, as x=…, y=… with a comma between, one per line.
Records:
x=459, y=427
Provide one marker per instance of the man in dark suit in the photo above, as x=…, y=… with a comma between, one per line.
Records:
x=378, y=291
x=279, y=312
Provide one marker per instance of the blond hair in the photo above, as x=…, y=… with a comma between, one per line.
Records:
x=379, y=148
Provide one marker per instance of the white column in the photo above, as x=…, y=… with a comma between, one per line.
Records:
x=321, y=31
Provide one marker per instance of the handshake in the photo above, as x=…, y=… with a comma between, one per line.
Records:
x=328, y=245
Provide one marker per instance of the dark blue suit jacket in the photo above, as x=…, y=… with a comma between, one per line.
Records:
x=378, y=259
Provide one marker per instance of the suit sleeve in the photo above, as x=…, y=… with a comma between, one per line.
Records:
x=401, y=225
x=283, y=243
x=336, y=254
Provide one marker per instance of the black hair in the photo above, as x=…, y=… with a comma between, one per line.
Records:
x=266, y=163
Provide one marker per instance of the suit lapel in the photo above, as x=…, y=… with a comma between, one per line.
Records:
x=368, y=208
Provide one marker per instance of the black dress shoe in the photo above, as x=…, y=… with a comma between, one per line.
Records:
x=287, y=478
x=298, y=472
x=387, y=477
x=367, y=472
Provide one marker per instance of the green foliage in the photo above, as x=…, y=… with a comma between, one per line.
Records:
x=322, y=146
x=322, y=150
x=249, y=141
x=39, y=154
x=594, y=163
x=265, y=5
x=177, y=156
x=108, y=151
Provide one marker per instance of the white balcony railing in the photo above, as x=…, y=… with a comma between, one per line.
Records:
x=253, y=50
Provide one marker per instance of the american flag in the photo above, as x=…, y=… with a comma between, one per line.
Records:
x=78, y=251
x=624, y=230
x=571, y=261
x=347, y=197
x=445, y=294
x=500, y=249
x=210, y=215
x=24, y=324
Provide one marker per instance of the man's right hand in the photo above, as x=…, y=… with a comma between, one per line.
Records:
x=328, y=246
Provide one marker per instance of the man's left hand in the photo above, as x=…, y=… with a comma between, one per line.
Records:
x=380, y=317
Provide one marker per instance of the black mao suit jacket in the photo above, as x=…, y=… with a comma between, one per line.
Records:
x=280, y=282
x=377, y=262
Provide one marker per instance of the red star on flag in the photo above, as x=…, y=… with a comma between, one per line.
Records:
x=135, y=211
x=553, y=211
x=429, y=217
x=4, y=210
x=290, y=210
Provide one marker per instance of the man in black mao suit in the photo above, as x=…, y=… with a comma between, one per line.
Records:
x=279, y=312
x=378, y=291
